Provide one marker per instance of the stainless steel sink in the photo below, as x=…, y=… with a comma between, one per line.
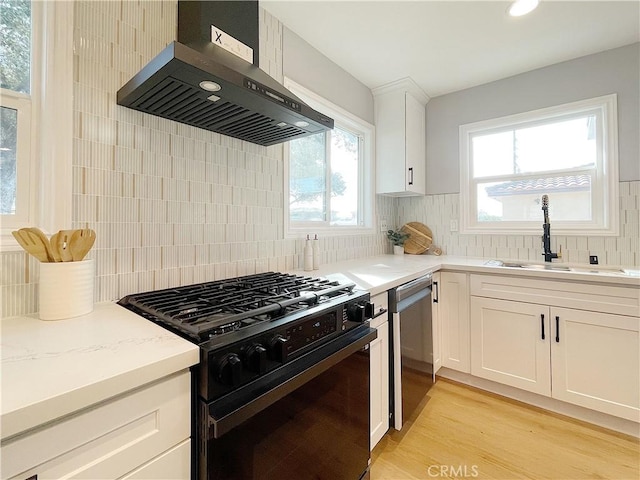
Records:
x=561, y=268
x=536, y=266
x=607, y=271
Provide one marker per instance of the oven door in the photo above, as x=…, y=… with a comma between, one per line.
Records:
x=309, y=419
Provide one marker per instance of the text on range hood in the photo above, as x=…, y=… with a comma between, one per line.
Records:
x=250, y=105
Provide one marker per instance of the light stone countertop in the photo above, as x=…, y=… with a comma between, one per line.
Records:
x=382, y=272
x=49, y=369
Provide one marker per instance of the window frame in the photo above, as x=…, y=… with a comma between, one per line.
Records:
x=366, y=201
x=50, y=132
x=605, y=186
x=21, y=103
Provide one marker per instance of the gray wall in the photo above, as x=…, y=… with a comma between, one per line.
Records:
x=307, y=66
x=612, y=71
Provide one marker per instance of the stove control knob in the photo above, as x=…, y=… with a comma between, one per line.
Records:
x=230, y=370
x=356, y=313
x=278, y=348
x=369, y=310
x=256, y=357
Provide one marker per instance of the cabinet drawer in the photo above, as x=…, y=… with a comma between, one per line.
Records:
x=108, y=440
x=582, y=296
x=174, y=464
x=381, y=306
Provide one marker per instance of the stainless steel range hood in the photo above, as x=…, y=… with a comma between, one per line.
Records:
x=237, y=99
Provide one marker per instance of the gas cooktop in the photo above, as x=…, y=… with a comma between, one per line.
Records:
x=202, y=311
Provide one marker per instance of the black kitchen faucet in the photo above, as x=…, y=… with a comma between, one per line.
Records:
x=546, y=235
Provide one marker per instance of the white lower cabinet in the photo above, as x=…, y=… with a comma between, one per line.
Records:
x=379, y=372
x=583, y=357
x=172, y=464
x=453, y=317
x=142, y=434
x=595, y=361
x=436, y=322
x=510, y=343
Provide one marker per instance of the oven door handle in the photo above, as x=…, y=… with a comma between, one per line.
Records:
x=242, y=404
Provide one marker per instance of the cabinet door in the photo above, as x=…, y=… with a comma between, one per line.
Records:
x=454, y=315
x=108, y=440
x=390, y=142
x=595, y=361
x=379, y=358
x=172, y=464
x=415, y=145
x=510, y=343
x=437, y=323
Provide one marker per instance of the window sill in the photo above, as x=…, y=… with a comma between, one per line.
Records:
x=324, y=232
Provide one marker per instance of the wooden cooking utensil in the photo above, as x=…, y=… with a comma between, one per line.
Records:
x=45, y=241
x=81, y=242
x=53, y=241
x=64, y=245
x=31, y=243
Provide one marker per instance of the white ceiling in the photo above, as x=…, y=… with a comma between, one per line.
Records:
x=445, y=46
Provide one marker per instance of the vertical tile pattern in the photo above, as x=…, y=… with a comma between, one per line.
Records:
x=436, y=211
x=171, y=204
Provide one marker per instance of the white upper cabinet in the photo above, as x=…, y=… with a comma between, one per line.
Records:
x=400, y=138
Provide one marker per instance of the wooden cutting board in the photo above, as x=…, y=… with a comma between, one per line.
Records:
x=420, y=238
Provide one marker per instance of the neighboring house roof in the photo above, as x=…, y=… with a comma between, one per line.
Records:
x=566, y=183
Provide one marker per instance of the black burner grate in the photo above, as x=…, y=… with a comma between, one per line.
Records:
x=204, y=310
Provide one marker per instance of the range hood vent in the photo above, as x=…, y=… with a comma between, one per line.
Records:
x=249, y=105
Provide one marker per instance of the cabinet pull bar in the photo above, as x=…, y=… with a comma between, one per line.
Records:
x=557, y=329
x=437, y=295
x=542, y=324
x=410, y=175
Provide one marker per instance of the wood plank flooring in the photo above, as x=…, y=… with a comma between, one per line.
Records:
x=462, y=432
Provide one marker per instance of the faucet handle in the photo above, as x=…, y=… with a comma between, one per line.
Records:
x=560, y=251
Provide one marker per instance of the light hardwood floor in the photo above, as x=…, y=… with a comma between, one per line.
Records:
x=463, y=432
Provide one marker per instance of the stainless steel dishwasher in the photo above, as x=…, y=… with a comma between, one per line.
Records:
x=411, y=348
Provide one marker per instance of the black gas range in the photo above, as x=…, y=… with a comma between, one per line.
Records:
x=264, y=340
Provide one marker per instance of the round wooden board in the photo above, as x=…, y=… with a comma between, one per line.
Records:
x=420, y=238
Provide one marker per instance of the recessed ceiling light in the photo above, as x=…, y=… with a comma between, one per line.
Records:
x=210, y=86
x=522, y=7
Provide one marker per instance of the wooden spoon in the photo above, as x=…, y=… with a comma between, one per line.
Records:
x=64, y=245
x=45, y=241
x=54, y=247
x=32, y=244
x=81, y=242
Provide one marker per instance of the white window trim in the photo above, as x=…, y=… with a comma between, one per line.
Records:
x=367, y=132
x=51, y=142
x=607, y=107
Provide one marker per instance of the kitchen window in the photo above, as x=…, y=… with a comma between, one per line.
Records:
x=35, y=169
x=15, y=110
x=568, y=152
x=328, y=180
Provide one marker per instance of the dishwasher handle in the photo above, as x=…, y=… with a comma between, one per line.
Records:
x=405, y=291
x=406, y=295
